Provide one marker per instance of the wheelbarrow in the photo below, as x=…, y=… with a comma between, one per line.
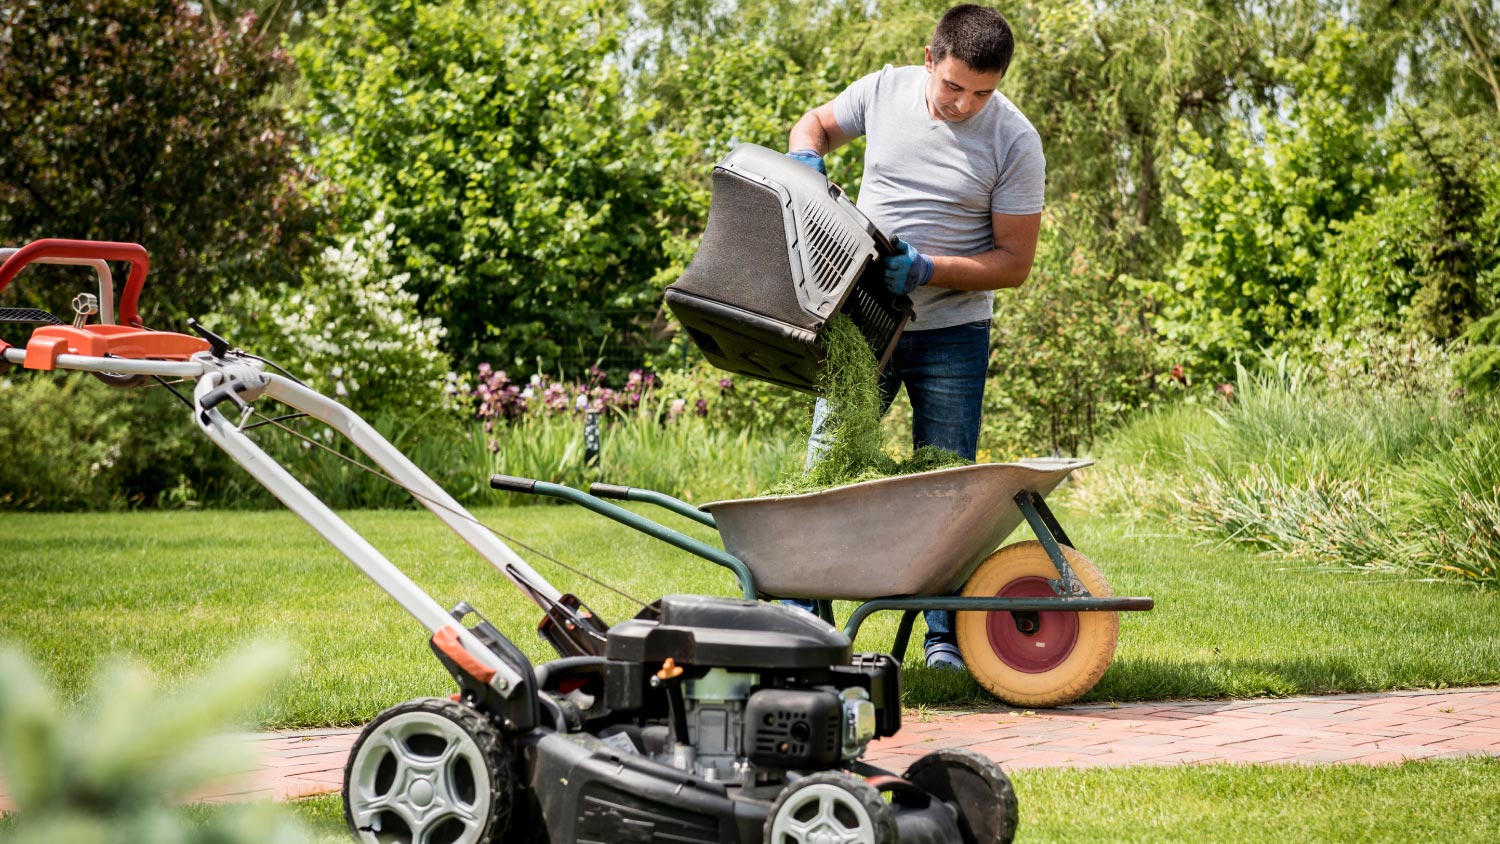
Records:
x=1037, y=622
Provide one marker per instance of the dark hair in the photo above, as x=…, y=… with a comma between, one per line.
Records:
x=976, y=36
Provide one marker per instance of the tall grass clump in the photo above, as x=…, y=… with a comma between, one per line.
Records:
x=1367, y=461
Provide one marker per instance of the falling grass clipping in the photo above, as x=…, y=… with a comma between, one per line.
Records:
x=850, y=381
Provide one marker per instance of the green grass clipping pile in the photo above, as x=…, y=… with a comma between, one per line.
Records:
x=850, y=381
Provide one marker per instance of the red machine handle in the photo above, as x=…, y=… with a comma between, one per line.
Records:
x=103, y=250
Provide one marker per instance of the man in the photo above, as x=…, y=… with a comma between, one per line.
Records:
x=955, y=171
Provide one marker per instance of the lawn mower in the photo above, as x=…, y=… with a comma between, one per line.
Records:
x=701, y=719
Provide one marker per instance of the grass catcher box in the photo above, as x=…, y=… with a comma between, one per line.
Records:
x=784, y=252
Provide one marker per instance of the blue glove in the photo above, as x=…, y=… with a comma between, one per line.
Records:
x=809, y=157
x=907, y=270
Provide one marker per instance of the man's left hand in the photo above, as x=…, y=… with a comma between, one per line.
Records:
x=907, y=270
x=810, y=158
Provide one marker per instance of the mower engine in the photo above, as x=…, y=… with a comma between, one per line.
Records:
x=748, y=691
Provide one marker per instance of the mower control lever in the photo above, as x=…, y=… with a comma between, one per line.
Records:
x=222, y=394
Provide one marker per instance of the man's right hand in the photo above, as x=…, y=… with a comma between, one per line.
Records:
x=810, y=157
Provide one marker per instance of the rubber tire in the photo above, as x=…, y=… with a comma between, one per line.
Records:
x=881, y=815
x=1092, y=651
x=121, y=382
x=981, y=792
x=492, y=751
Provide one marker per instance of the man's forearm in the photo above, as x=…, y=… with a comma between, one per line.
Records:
x=808, y=133
x=992, y=270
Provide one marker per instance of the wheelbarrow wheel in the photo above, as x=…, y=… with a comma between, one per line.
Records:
x=1035, y=659
x=428, y=771
x=976, y=787
x=830, y=806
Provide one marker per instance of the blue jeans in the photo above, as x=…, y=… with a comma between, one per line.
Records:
x=943, y=371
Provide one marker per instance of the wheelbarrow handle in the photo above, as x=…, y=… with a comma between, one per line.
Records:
x=511, y=483
x=614, y=492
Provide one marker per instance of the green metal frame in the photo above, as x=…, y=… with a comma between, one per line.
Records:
x=1072, y=595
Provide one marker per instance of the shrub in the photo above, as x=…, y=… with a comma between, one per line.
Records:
x=351, y=329
x=68, y=442
x=499, y=141
x=1068, y=357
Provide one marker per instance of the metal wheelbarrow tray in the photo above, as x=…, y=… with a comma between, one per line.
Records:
x=921, y=534
x=1036, y=620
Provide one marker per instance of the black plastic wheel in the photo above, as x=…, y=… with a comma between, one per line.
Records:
x=976, y=787
x=830, y=807
x=429, y=771
x=119, y=381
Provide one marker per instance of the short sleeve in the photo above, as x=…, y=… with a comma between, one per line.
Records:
x=1023, y=177
x=851, y=106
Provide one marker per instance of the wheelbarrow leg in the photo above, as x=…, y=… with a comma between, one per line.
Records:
x=825, y=612
x=903, y=635
x=1050, y=533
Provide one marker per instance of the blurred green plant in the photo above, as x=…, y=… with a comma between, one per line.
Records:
x=118, y=771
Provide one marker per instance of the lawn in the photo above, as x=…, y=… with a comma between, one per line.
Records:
x=177, y=590
x=1413, y=803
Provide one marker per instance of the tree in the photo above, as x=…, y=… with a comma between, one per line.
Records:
x=496, y=140
x=139, y=121
x=1256, y=224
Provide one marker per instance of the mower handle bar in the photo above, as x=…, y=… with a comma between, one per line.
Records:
x=88, y=252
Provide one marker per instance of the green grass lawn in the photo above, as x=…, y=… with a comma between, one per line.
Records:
x=1412, y=803
x=178, y=590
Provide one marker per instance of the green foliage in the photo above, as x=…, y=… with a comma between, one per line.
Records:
x=1368, y=463
x=113, y=773
x=351, y=329
x=497, y=140
x=68, y=442
x=139, y=121
x=1479, y=368
x=1069, y=357
x=762, y=409
x=1255, y=226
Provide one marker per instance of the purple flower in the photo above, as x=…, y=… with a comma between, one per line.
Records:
x=702, y=407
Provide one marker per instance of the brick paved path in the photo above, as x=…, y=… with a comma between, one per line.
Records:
x=1363, y=729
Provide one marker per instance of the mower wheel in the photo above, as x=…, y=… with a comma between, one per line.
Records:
x=119, y=381
x=830, y=807
x=1035, y=659
x=428, y=771
x=974, y=786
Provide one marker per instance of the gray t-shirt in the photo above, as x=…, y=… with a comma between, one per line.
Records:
x=935, y=184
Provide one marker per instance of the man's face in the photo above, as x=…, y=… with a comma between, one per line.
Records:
x=955, y=91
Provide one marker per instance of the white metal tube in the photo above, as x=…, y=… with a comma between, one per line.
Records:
x=117, y=366
x=396, y=464
x=322, y=519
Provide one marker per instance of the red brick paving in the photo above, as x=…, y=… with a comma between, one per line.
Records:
x=1347, y=729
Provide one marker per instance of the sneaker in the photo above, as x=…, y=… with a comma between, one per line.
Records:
x=944, y=656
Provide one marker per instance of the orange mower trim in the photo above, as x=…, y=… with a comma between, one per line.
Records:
x=447, y=641
x=49, y=341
